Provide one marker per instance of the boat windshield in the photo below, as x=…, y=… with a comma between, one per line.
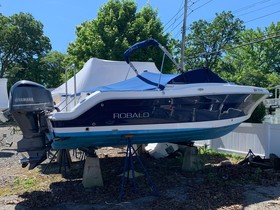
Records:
x=202, y=75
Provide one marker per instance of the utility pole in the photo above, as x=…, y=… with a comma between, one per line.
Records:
x=184, y=36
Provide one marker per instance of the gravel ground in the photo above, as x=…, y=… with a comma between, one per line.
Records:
x=220, y=187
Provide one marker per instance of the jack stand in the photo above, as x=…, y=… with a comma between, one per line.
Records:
x=81, y=156
x=252, y=159
x=130, y=151
x=51, y=160
x=249, y=157
x=63, y=159
x=250, y=154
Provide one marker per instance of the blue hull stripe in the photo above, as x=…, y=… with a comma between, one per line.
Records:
x=114, y=138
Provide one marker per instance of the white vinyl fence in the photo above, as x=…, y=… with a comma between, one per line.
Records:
x=262, y=139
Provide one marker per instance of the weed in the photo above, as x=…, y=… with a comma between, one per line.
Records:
x=26, y=184
x=204, y=151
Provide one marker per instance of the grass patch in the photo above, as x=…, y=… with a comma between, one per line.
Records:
x=212, y=156
x=28, y=181
x=25, y=184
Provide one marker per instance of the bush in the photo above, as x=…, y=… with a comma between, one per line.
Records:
x=258, y=114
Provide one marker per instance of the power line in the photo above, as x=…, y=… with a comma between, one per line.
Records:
x=178, y=16
x=235, y=47
x=174, y=17
x=181, y=8
x=262, y=16
x=181, y=15
x=202, y=5
x=248, y=7
x=256, y=10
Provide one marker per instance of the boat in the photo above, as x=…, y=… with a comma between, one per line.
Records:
x=149, y=107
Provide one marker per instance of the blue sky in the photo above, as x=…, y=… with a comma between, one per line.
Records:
x=60, y=17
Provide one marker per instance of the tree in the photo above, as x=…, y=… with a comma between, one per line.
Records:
x=258, y=114
x=117, y=27
x=53, y=66
x=257, y=60
x=22, y=44
x=206, y=40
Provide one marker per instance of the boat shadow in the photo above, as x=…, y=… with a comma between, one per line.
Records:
x=6, y=154
x=75, y=167
x=215, y=187
x=72, y=190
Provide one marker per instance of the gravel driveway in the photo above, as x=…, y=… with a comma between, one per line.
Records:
x=177, y=190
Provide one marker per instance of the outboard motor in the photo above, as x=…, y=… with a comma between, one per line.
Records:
x=28, y=104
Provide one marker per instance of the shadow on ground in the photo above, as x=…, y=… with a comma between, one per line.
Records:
x=212, y=188
x=6, y=154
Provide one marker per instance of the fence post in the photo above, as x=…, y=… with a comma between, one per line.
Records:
x=268, y=139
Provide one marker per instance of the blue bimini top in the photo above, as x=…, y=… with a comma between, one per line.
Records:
x=144, y=81
x=152, y=81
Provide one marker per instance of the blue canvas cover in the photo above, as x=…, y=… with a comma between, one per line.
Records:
x=152, y=81
x=201, y=75
x=144, y=81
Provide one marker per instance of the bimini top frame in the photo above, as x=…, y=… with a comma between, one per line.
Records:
x=146, y=43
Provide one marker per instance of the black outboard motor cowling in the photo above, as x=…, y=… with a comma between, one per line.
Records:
x=28, y=104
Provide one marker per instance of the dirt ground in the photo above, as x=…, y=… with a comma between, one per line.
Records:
x=218, y=186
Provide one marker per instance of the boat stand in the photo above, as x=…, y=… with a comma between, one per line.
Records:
x=129, y=167
x=81, y=156
x=63, y=159
x=191, y=159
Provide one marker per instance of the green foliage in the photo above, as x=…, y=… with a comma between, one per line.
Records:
x=22, y=44
x=223, y=46
x=206, y=40
x=117, y=27
x=25, y=51
x=257, y=63
x=205, y=151
x=258, y=114
x=53, y=66
x=25, y=184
